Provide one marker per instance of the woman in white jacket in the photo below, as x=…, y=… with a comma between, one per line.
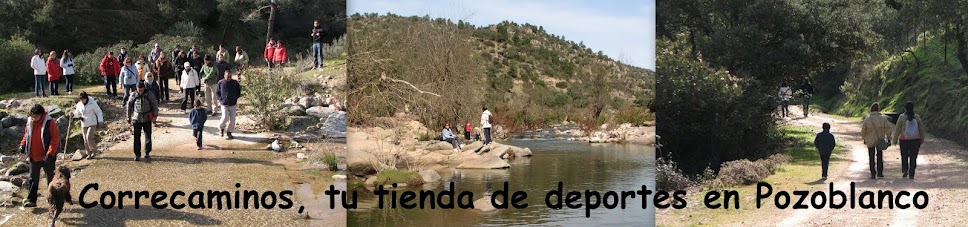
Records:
x=67, y=63
x=91, y=116
x=189, y=83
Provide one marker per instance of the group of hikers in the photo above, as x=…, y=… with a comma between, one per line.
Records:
x=145, y=82
x=447, y=134
x=786, y=95
x=879, y=133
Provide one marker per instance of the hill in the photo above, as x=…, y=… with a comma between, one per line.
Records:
x=442, y=71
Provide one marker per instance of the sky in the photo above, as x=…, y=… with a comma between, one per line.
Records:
x=623, y=29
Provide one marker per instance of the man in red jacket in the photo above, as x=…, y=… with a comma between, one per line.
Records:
x=270, y=51
x=40, y=144
x=110, y=68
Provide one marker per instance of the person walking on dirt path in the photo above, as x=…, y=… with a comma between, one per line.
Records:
x=110, y=68
x=67, y=64
x=40, y=73
x=486, y=120
x=241, y=59
x=123, y=54
x=128, y=78
x=180, y=67
x=317, y=47
x=222, y=66
x=177, y=50
x=54, y=72
x=156, y=53
x=807, y=91
x=447, y=135
x=785, y=95
x=165, y=71
x=142, y=65
x=141, y=113
x=210, y=79
x=279, y=55
x=269, y=52
x=39, y=143
x=876, y=131
x=825, y=144
x=467, y=131
x=228, y=92
x=909, y=134
x=197, y=61
x=151, y=84
x=91, y=117
x=189, y=84
x=197, y=119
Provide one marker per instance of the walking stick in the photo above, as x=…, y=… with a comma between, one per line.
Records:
x=67, y=135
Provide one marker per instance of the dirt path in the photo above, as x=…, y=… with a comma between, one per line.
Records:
x=942, y=173
x=177, y=166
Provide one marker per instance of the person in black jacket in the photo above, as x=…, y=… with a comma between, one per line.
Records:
x=229, y=91
x=825, y=144
x=807, y=91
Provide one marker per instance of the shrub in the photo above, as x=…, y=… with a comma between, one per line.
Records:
x=184, y=28
x=668, y=177
x=15, y=53
x=265, y=91
x=744, y=171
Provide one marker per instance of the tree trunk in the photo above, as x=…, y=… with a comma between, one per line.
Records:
x=272, y=19
x=961, y=45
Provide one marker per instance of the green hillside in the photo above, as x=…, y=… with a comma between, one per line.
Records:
x=528, y=77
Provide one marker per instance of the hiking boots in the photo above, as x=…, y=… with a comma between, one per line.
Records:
x=28, y=203
x=221, y=132
x=229, y=135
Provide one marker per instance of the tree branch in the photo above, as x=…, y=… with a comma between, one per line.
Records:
x=384, y=77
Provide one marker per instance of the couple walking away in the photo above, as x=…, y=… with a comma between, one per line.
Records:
x=877, y=134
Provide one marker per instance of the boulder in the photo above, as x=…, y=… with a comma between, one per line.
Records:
x=54, y=111
x=78, y=155
x=320, y=112
x=598, y=137
x=17, y=169
x=14, y=120
x=473, y=146
x=499, y=151
x=300, y=123
x=335, y=125
x=520, y=152
x=3, y=114
x=485, y=162
x=19, y=181
x=429, y=176
x=308, y=101
x=294, y=110
x=441, y=145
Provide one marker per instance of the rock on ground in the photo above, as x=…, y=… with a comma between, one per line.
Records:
x=429, y=176
x=485, y=162
x=320, y=112
x=335, y=125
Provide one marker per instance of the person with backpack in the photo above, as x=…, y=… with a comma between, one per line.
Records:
x=785, y=95
x=40, y=73
x=229, y=91
x=53, y=72
x=807, y=91
x=128, y=78
x=909, y=134
x=40, y=142
x=876, y=131
x=91, y=116
x=67, y=64
x=110, y=68
x=210, y=78
x=189, y=84
x=141, y=113
x=486, y=120
x=825, y=144
x=164, y=70
x=467, y=131
x=197, y=119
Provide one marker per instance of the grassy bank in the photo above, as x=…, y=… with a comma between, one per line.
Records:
x=801, y=173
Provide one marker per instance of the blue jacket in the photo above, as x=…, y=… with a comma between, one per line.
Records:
x=825, y=142
x=197, y=118
x=222, y=66
x=229, y=92
x=129, y=75
x=446, y=134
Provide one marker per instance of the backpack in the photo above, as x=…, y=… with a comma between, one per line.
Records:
x=490, y=119
x=911, y=130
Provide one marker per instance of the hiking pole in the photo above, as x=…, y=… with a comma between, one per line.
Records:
x=67, y=135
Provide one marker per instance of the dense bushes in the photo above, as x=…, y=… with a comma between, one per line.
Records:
x=15, y=72
x=707, y=117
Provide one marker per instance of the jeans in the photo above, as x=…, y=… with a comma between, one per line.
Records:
x=785, y=107
x=197, y=133
x=189, y=94
x=111, y=83
x=875, y=159
x=53, y=87
x=467, y=135
x=69, y=79
x=48, y=166
x=128, y=90
x=825, y=161
x=40, y=85
x=317, y=55
x=229, y=113
x=163, y=85
x=909, y=156
x=138, y=128
x=487, y=135
x=454, y=142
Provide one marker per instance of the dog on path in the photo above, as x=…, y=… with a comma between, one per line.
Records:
x=59, y=191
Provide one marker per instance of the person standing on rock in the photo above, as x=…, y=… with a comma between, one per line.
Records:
x=128, y=78
x=67, y=64
x=54, y=72
x=189, y=84
x=197, y=119
x=210, y=79
x=40, y=73
x=807, y=91
x=825, y=144
x=40, y=143
x=141, y=112
x=110, y=68
x=269, y=52
x=486, y=120
x=164, y=70
x=317, y=47
x=467, y=131
x=91, y=117
x=876, y=129
x=785, y=95
x=448, y=136
x=228, y=92
x=909, y=134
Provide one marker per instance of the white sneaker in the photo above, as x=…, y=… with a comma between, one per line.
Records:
x=461, y=146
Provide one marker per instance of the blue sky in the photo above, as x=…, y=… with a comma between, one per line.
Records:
x=624, y=30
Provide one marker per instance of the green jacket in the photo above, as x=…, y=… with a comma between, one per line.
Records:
x=209, y=74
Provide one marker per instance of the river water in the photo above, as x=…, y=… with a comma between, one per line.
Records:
x=579, y=165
